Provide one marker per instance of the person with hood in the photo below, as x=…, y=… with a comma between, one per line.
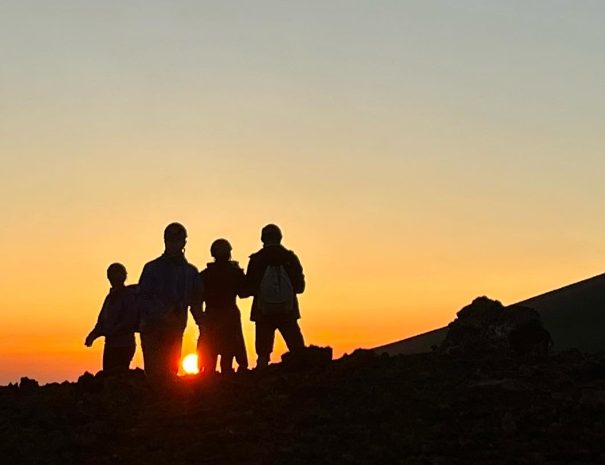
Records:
x=117, y=322
x=167, y=290
x=274, y=277
x=221, y=328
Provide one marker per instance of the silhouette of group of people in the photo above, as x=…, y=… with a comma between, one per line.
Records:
x=170, y=287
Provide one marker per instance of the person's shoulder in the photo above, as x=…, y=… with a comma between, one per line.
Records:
x=235, y=267
x=257, y=254
x=131, y=288
x=192, y=268
x=289, y=253
x=206, y=270
x=153, y=263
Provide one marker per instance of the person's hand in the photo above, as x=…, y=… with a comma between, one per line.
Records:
x=203, y=323
x=89, y=340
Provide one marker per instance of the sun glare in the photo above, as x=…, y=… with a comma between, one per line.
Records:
x=190, y=365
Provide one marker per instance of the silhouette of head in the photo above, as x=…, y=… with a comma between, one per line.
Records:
x=116, y=274
x=175, y=238
x=271, y=235
x=221, y=249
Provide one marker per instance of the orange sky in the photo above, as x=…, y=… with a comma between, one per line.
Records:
x=362, y=292
x=415, y=154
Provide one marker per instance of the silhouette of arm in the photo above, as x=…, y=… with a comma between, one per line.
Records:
x=250, y=282
x=99, y=329
x=150, y=303
x=197, y=300
x=296, y=274
x=241, y=283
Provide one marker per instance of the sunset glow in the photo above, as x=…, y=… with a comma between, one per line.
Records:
x=190, y=364
x=415, y=155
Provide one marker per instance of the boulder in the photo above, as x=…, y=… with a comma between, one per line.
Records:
x=28, y=384
x=487, y=326
x=308, y=358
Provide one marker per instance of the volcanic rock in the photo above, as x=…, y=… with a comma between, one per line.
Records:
x=308, y=358
x=448, y=408
x=27, y=384
x=487, y=326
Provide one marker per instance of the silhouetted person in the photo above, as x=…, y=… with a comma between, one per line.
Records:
x=274, y=277
x=221, y=328
x=118, y=320
x=166, y=291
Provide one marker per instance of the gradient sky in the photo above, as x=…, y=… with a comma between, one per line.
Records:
x=416, y=154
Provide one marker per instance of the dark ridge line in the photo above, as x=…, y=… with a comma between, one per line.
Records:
x=564, y=289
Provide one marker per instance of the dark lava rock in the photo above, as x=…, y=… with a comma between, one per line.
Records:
x=89, y=383
x=435, y=408
x=27, y=384
x=487, y=326
x=308, y=358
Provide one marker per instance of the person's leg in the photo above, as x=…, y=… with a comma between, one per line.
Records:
x=126, y=356
x=206, y=357
x=161, y=352
x=265, y=336
x=210, y=359
x=151, y=345
x=240, y=347
x=116, y=359
x=290, y=331
x=212, y=346
x=109, y=359
x=174, y=345
x=226, y=363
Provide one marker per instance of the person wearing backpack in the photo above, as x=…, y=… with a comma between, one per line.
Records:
x=221, y=327
x=274, y=277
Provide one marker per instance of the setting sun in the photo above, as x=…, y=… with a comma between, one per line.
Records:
x=190, y=365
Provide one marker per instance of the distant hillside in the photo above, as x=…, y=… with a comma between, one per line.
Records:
x=574, y=315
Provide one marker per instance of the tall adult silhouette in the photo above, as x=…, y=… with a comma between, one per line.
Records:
x=167, y=289
x=274, y=277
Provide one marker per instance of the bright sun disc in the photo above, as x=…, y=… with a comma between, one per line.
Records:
x=190, y=365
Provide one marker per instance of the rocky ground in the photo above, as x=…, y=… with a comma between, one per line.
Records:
x=362, y=409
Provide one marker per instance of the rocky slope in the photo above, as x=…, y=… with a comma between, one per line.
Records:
x=433, y=408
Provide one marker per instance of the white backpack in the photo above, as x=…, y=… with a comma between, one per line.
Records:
x=276, y=294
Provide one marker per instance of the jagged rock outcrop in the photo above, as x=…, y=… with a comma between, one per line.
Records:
x=487, y=326
x=28, y=384
x=309, y=358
